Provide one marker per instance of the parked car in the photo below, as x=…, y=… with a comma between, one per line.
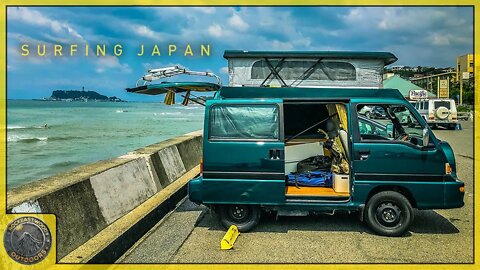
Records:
x=378, y=112
x=438, y=112
x=373, y=112
x=369, y=126
x=366, y=111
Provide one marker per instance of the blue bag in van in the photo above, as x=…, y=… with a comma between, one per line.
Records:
x=311, y=179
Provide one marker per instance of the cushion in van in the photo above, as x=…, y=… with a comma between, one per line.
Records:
x=311, y=179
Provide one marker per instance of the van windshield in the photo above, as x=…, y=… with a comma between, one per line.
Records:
x=439, y=104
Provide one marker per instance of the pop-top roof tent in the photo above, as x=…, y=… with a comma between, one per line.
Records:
x=267, y=69
x=307, y=68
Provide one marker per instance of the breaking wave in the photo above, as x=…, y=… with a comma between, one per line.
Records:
x=170, y=113
x=26, y=139
x=13, y=127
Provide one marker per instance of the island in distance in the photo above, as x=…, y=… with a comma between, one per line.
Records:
x=80, y=95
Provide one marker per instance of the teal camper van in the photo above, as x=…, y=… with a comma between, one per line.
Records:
x=286, y=136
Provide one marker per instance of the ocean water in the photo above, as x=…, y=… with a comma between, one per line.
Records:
x=78, y=133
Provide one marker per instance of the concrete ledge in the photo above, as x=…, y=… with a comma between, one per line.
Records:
x=45, y=186
x=109, y=244
x=89, y=198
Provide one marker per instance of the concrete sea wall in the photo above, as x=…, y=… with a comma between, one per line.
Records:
x=90, y=198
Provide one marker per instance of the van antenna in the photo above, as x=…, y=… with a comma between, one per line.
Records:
x=161, y=73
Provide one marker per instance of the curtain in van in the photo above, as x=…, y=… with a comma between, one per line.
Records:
x=341, y=117
x=256, y=122
x=342, y=114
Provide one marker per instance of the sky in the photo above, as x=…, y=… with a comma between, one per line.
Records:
x=427, y=36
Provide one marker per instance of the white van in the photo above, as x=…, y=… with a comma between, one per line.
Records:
x=438, y=112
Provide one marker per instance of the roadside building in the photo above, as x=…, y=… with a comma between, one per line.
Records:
x=387, y=75
x=464, y=64
x=397, y=68
x=404, y=86
x=449, y=69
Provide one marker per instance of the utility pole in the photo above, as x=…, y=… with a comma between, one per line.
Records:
x=438, y=86
x=461, y=90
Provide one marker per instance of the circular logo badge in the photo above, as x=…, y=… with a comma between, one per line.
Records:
x=27, y=240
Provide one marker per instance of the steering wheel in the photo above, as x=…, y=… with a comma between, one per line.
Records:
x=402, y=137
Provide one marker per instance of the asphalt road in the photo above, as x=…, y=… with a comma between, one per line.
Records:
x=191, y=234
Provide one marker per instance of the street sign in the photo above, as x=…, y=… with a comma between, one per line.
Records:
x=417, y=94
x=443, y=84
x=443, y=89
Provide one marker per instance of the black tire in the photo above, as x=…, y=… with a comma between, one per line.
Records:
x=245, y=217
x=389, y=213
x=452, y=126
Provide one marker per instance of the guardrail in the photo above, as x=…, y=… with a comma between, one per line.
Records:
x=464, y=116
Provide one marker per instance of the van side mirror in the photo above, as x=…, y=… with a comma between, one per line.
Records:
x=425, y=137
x=389, y=128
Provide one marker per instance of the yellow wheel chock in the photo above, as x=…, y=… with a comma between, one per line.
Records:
x=229, y=238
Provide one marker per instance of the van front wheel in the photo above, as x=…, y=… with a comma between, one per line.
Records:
x=389, y=213
x=245, y=217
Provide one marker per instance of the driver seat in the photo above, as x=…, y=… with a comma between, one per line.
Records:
x=334, y=131
x=344, y=139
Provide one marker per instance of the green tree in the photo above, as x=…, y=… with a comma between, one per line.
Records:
x=468, y=90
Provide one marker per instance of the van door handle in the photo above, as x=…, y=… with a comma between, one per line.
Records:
x=364, y=154
x=275, y=154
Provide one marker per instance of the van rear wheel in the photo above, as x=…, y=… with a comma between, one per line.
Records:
x=245, y=217
x=389, y=213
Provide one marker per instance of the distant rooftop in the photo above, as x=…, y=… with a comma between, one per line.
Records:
x=387, y=57
x=404, y=86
